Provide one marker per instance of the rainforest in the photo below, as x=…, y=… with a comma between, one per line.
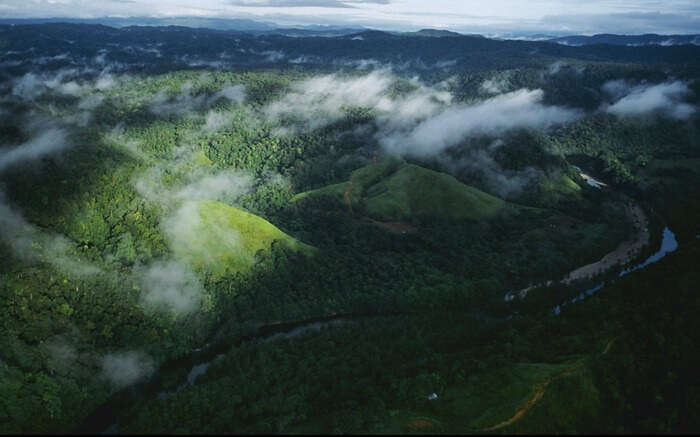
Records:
x=346, y=231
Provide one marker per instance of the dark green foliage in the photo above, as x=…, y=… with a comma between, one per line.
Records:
x=440, y=323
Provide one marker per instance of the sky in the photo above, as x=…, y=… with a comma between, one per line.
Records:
x=492, y=17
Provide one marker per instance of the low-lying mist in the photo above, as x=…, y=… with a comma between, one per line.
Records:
x=416, y=120
x=664, y=99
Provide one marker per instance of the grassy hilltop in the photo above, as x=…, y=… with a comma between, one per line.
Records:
x=395, y=190
x=226, y=239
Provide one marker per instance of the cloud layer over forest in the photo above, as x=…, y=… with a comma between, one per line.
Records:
x=421, y=122
x=125, y=368
x=27, y=241
x=665, y=99
x=517, y=109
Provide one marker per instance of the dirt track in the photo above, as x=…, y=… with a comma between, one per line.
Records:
x=346, y=196
x=400, y=228
x=540, y=390
x=539, y=393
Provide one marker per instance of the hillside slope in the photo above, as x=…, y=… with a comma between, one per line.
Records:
x=394, y=190
x=223, y=239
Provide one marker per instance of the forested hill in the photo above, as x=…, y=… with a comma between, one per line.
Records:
x=217, y=231
x=628, y=40
x=137, y=46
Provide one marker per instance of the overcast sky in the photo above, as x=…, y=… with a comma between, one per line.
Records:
x=479, y=16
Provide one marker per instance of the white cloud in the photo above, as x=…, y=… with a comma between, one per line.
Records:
x=494, y=86
x=665, y=99
x=420, y=122
x=62, y=355
x=320, y=101
x=215, y=121
x=26, y=240
x=106, y=82
x=173, y=285
x=32, y=85
x=497, y=180
x=29, y=243
x=123, y=369
x=170, y=286
x=223, y=186
x=184, y=102
x=50, y=141
x=555, y=67
x=522, y=108
x=234, y=93
x=495, y=16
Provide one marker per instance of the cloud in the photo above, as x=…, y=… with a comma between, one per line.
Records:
x=424, y=122
x=555, y=67
x=223, y=186
x=15, y=230
x=27, y=241
x=164, y=105
x=186, y=101
x=234, y=93
x=32, y=85
x=304, y=3
x=201, y=183
x=360, y=64
x=273, y=55
x=634, y=100
x=320, y=101
x=480, y=162
x=106, y=82
x=622, y=23
x=494, y=86
x=170, y=285
x=62, y=355
x=123, y=369
x=495, y=16
x=64, y=81
x=215, y=121
x=117, y=137
x=186, y=226
x=48, y=142
x=420, y=122
x=31, y=244
x=446, y=64
x=90, y=102
x=517, y=109
x=101, y=58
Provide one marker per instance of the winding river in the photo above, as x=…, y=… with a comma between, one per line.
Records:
x=668, y=244
x=104, y=418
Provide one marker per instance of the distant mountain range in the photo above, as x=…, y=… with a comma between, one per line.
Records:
x=24, y=47
x=241, y=25
x=628, y=40
x=269, y=28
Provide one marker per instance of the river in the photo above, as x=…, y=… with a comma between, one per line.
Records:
x=281, y=331
x=104, y=418
x=668, y=244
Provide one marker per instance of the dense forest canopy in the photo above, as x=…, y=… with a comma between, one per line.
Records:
x=211, y=231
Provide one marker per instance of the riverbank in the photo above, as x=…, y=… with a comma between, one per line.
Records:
x=623, y=254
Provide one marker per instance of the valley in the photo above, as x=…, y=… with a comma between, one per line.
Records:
x=218, y=231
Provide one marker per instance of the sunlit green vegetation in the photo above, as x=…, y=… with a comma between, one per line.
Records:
x=405, y=192
x=181, y=173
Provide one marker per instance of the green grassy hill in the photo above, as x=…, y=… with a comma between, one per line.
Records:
x=395, y=190
x=223, y=239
